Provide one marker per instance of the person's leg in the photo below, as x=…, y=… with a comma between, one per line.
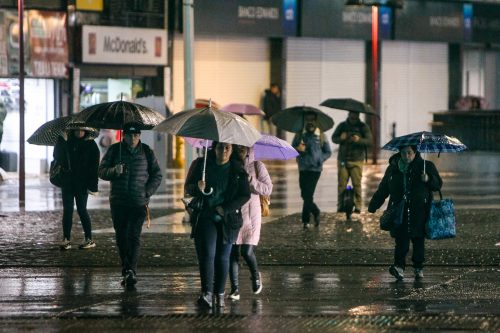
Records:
x=234, y=267
x=67, y=221
x=401, y=250
x=356, y=173
x=221, y=264
x=120, y=214
x=205, y=241
x=342, y=179
x=81, y=207
x=248, y=254
x=305, y=193
x=313, y=182
x=418, y=256
x=136, y=220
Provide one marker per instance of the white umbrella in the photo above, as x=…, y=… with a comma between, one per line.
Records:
x=210, y=124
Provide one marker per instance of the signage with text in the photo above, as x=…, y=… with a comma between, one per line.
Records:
x=121, y=45
x=486, y=23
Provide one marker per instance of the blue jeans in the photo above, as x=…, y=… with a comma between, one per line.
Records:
x=127, y=222
x=69, y=198
x=213, y=255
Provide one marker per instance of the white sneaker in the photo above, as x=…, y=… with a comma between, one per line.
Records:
x=65, y=244
x=88, y=244
x=397, y=272
x=419, y=273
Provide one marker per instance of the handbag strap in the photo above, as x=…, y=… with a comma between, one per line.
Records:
x=256, y=169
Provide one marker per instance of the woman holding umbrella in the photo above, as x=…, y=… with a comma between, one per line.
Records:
x=248, y=237
x=411, y=179
x=79, y=154
x=215, y=225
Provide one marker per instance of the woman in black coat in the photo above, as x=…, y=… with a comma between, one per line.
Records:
x=405, y=179
x=80, y=154
x=216, y=224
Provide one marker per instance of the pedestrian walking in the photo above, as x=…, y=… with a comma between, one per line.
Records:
x=313, y=150
x=218, y=218
x=132, y=168
x=249, y=235
x=271, y=104
x=78, y=153
x=405, y=179
x=353, y=137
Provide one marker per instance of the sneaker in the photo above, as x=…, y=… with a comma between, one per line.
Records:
x=397, y=272
x=65, y=244
x=219, y=300
x=130, y=278
x=419, y=273
x=234, y=295
x=257, y=285
x=88, y=244
x=205, y=300
x=306, y=226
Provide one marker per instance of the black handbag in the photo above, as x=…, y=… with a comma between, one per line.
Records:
x=392, y=217
x=233, y=219
x=58, y=174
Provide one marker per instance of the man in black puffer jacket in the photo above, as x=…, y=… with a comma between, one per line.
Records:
x=135, y=175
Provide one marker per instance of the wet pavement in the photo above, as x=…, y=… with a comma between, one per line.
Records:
x=328, y=279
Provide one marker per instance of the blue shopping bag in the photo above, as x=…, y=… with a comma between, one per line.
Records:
x=441, y=223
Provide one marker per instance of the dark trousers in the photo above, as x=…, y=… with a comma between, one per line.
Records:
x=128, y=221
x=248, y=254
x=402, y=248
x=69, y=198
x=213, y=255
x=308, y=181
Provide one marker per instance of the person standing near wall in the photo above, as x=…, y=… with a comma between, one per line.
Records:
x=353, y=137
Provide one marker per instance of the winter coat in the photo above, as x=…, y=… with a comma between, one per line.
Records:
x=317, y=151
x=252, y=215
x=141, y=178
x=271, y=104
x=418, y=194
x=236, y=194
x=352, y=151
x=83, y=162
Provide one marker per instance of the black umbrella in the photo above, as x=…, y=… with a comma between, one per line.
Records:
x=47, y=134
x=349, y=104
x=292, y=119
x=114, y=115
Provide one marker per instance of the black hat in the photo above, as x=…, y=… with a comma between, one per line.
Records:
x=131, y=129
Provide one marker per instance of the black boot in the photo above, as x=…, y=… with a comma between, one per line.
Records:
x=219, y=300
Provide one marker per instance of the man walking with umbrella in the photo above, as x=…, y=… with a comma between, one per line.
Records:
x=313, y=150
x=135, y=175
x=353, y=137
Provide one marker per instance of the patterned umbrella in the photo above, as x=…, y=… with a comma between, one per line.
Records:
x=268, y=147
x=114, y=115
x=349, y=104
x=243, y=109
x=292, y=119
x=426, y=142
x=47, y=134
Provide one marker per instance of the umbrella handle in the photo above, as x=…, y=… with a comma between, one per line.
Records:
x=209, y=192
x=204, y=168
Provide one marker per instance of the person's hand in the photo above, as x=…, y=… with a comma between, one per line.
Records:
x=425, y=177
x=201, y=185
x=219, y=210
x=301, y=147
x=120, y=169
x=355, y=138
x=92, y=193
x=343, y=136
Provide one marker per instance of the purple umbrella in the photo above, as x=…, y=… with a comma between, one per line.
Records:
x=243, y=109
x=268, y=147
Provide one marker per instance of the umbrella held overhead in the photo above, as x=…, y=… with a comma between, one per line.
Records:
x=47, y=134
x=292, y=119
x=349, y=104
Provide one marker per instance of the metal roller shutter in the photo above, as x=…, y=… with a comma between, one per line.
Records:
x=414, y=83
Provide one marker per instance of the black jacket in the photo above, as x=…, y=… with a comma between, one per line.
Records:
x=236, y=195
x=271, y=104
x=141, y=179
x=352, y=151
x=419, y=194
x=83, y=162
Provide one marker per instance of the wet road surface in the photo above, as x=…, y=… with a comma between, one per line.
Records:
x=328, y=279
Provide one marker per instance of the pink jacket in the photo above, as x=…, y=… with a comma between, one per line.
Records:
x=250, y=231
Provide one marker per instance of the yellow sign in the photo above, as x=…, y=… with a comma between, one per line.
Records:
x=95, y=5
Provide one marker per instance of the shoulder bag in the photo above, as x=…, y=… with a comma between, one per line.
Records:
x=265, y=200
x=441, y=223
x=58, y=174
x=392, y=217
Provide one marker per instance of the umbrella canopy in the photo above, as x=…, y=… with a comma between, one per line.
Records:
x=47, y=134
x=114, y=115
x=349, y=104
x=268, y=147
x=426, y=142
x=243, y=109
x=210, y=124
x=292, y=119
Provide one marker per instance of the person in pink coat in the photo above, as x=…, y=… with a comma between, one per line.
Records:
x=249, y=235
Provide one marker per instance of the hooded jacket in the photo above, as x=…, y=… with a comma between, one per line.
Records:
x=418, y=193
x=252, y=215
